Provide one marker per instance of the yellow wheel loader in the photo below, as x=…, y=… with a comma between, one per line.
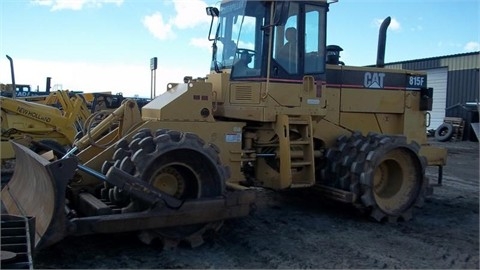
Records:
x=53, y=122
x=299, y=119
x=24, y=120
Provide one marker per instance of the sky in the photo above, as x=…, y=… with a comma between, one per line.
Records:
x=106, y=45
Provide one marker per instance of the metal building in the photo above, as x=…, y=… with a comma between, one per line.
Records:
x=455, y=82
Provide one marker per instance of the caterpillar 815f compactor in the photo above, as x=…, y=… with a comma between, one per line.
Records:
x=278, y=110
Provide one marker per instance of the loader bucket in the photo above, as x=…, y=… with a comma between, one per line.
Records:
x=37, y=189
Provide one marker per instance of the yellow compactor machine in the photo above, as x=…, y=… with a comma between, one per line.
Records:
x=278, y=110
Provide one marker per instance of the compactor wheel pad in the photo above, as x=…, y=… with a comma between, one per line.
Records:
x=392, y=179
x=179, y=164
x=385, y=173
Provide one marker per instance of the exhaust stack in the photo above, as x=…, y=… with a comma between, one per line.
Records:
x=14, y=86
x=48, y=84
x=382, y=40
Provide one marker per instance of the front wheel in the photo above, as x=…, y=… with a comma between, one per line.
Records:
x=179, y=164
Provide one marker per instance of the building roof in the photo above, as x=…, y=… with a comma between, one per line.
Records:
x=434, y=58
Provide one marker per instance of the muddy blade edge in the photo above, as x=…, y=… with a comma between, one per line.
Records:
x=37, y=189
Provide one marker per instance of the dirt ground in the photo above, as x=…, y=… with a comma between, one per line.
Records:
x=289, y=232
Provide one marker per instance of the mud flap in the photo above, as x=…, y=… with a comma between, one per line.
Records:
x=37, y=189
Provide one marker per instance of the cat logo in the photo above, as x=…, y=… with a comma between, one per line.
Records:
x=373, y=80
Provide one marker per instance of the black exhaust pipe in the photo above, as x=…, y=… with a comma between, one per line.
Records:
x=14, y=87
x=49, y=83
x=382, y=40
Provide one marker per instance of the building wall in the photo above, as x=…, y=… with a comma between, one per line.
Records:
x=462, y=87
x=437, y=78
x=462, y=84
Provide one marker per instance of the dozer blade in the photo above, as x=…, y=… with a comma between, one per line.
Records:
x=37, y=189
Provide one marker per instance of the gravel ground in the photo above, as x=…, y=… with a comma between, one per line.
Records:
x=289, y=232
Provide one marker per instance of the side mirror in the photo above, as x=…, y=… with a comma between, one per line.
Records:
x=213, y=11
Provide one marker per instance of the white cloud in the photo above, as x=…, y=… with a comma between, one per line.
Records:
x=472, y=46
x=156, y=25
x=188, y=15
x=394, y=24
x=74, y=4
x=201, y=43
x=128, y=79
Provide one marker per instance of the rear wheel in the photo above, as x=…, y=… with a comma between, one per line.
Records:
x=179, y=164
x=385, y=173
x=391, y=176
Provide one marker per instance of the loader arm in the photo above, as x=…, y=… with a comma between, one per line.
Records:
x=127, y=116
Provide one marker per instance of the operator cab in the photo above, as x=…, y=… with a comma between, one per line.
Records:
x=246, y=29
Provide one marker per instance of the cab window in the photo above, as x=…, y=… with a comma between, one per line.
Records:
x=314, y=48
x=250, y=42
x=286, y=49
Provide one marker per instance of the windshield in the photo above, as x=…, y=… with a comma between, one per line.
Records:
x=239, y=36
x=296, y=35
